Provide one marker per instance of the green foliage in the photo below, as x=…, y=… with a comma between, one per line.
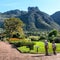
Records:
x=34, y=19
x=23, y=43
x=34, y=38
x=13, y=26
x=57, y=40
x=16, y=35
x=14, y=42
x=52, y=33
x=42, y=38
x=41, y=48
x=23, y=49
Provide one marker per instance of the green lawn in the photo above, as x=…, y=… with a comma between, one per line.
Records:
x=40, y=49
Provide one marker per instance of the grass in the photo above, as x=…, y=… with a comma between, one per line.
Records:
x=40, y=46
x=24, y=49
x=58, y=48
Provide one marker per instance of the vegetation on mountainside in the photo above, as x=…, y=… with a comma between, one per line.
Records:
x=34, y=19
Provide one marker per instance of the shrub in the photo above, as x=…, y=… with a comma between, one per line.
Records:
x=50, y=39
x=27, y=39
x=17, y=44
x=42, y=38
x=23, y=43
x=30, y=45
x=53, y=32
x=57, y=40
x=34, y=38
x=14, y=40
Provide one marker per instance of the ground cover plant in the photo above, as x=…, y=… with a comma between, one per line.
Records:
x=41, y=48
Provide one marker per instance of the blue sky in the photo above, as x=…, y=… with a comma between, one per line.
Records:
x=48, y=6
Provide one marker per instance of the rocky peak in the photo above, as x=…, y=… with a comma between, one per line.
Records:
x=33, y=9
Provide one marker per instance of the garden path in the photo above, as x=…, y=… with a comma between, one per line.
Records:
x=7, y=52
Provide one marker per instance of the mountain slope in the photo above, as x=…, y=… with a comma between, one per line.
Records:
x=56, y=17
x=34, y=19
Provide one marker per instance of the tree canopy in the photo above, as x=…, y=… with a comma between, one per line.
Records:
x=13, y=26
x=53, y=32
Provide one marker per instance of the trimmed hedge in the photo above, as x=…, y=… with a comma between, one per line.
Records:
x=22, y=43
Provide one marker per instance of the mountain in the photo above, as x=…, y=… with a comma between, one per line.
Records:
x=56, y=17
x=34, y=19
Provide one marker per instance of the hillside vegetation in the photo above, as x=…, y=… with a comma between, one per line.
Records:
x=34, y=19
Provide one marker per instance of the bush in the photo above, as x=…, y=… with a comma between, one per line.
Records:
x=30, y=45
x=14, y=40
x=50, y=39
x=34, y=38
x=42, y=38
x=57, y=40
x=53, y=32
x=22, y=43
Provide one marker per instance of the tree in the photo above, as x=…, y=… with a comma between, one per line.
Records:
x=52, y=35
x=13, y=26
x=53, y=32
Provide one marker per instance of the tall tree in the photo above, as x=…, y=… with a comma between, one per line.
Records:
x=13, y=26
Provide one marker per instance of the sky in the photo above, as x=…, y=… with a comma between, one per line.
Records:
x=47, y=6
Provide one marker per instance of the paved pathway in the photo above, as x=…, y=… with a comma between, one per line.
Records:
x=7, y=52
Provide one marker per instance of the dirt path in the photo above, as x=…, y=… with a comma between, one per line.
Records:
x=9, y=53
